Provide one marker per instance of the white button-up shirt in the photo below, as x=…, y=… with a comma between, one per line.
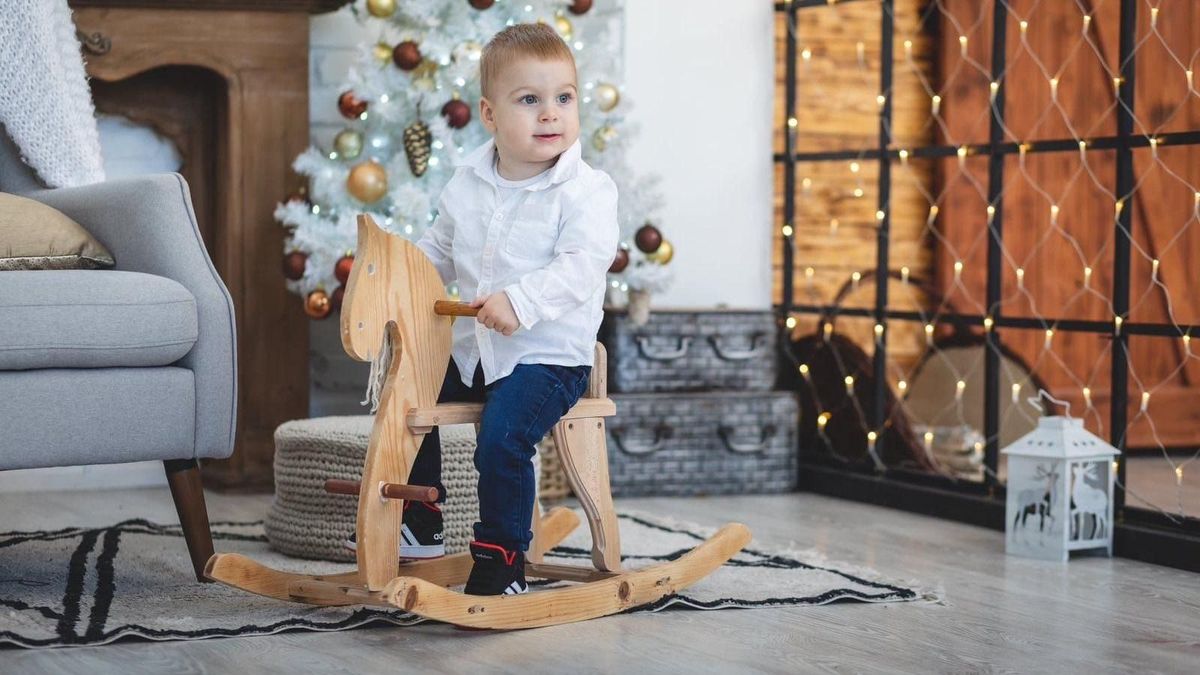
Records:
x=547, y=245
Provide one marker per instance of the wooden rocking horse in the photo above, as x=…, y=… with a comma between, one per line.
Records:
x=394, y=287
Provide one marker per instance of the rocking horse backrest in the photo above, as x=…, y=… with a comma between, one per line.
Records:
x=392, y=288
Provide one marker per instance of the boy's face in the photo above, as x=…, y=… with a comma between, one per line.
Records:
x=533, y=112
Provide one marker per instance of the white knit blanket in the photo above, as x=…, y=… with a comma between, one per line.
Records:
x=45, y=103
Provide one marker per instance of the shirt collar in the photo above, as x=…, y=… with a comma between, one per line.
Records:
x=567, y=167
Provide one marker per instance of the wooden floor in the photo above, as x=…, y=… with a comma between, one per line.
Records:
x=1000, y=613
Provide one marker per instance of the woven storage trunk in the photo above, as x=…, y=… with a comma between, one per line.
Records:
x=703, y=443
x=307, y=522
x=678, y=350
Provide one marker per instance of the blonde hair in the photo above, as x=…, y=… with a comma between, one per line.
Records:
x=523, y=40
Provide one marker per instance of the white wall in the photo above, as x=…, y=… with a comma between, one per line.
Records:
x=700, y=74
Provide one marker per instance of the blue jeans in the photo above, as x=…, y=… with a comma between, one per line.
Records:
x=518, y=411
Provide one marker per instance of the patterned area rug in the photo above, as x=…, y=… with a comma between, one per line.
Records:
x=79, y=586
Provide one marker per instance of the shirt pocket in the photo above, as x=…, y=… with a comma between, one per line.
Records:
x=533, y=234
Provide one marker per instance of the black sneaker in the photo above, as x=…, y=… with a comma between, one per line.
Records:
x=420, y=532
x=497, y=571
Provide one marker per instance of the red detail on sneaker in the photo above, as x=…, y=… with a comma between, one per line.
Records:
x=509, y=556
x=432, y=507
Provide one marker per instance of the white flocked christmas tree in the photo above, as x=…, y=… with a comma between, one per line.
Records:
x=410, y=104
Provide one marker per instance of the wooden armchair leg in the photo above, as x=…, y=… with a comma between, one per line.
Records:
x=183, y=475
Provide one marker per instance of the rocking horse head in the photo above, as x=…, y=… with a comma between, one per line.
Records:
x=390, y=300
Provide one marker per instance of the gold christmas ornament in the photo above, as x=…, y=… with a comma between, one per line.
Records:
x=607, y=96
x=382, y=52
x=381, y=8
x=468, y=51
x=423, y=76
x=418, y=143
x=664, y=253
x=563, y=25
x=603, y=136
x=367, y=181
x=348, y=143
x=317, y=305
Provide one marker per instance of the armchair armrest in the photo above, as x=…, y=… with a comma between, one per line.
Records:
x=148, y=224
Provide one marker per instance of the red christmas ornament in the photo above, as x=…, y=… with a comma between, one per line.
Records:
x=293, y=265
x=336, y=299
x=342, y=269
x=648, y=238
x=620, y=262
x=482, y=4
x=580, y=6
x=351, y=106
x=407, y=55
x=457, y=113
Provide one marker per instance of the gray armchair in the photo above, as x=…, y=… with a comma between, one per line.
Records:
x=132, y=364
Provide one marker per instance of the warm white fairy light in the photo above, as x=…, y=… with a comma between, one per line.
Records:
x=959, y=387
x=1049, y=338
x=804, y=370
x=1154, y=147
x=962, y=44
x=1087, y=396
x=904, y=157
x=991, y=213
x=880, y=100
x=861, y=50
x=1154, y=17
x=822, y=420
x=1188, y=74
x=1016, y=392
x=958, y=268
x=806, y=183
x=904, y=274
x=1054, y=214
x=849, y=385
x=928, y=441
x=856, y=278
x=1054, y=89
x=1179, y=475
x=903, y=387
x=1119, y=206
x=854, y=167
x=828, y=331
x=1022, y=149
x=791, y=322
x=1020, y=277
x=1145, y=400
x=995, y=88
x=1117, y=81
x=1117, y=321
x=1187, y=346
x=1087, y=276
x=806, y=54
x=833, y=226
x=786, y=230
x=935, y=103
x=1154, y=269
x=933, y=214
x=1087, y=21
x=879, y=215
x=962, y=154
x=871, y=437
x=878, y=331
x=929, y=334
x=908, y=48
x=858, y=192
x=792, y=122
x=987, y=323
x=1082, y=150
x=1024, y=26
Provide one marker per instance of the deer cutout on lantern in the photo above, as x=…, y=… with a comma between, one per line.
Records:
x=1038, y=501
x=1087, y=500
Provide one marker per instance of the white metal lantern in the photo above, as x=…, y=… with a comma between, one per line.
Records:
x=1060, y=486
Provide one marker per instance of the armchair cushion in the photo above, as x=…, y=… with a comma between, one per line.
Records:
x=34, y=236
x=93, y=319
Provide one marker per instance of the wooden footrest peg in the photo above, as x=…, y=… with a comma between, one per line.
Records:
x=409, y=493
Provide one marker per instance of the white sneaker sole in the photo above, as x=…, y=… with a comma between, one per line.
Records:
x=410, y=552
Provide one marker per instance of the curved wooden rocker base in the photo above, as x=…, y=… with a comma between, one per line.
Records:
x=239, y=571
x=584, y=601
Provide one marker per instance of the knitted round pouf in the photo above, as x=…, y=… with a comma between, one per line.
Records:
x=307, y=522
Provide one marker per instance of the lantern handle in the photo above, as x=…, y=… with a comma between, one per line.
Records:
x=1042, y=393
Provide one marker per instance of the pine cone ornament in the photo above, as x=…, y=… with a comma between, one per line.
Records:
x=418, y=143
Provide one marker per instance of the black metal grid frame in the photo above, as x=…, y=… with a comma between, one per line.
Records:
x=1139, y=533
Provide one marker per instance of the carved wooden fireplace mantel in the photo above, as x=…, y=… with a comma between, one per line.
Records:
x=227, y=82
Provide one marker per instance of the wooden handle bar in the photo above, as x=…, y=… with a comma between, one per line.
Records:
x=448, y=308
x=413, y=493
